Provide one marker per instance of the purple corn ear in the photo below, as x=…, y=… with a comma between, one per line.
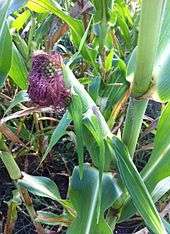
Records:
x=46, y=84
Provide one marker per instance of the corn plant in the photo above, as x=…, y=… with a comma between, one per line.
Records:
x=117, y=57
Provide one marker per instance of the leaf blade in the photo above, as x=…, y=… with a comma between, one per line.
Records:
x=137, y=189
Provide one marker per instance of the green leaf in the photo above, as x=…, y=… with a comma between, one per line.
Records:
x=4, y=6
x=22, y=18
x=5, y=43
x=21, y=46
x=88, y=104
x=137, y=189
x=18, y=71
x=76, y=111
x=20, y=97
x=162, y=65
x=161, y=188
x=108, y=60
x=94, y=88
x=5, y=53
x=83, y=195
x=131, y=66
x=81, y=43
x=102, y=9
x=157, y=168
x=10, y=164
x=91, y=122
x=40, y=186
x=43, y=29
x=36, y=6
x=58, y=133
x=123, y=27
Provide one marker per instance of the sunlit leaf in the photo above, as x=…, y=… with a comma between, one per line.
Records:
x=21, y=19
x=35, y=5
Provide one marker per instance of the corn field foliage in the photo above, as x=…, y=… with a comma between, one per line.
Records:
x=86, y=70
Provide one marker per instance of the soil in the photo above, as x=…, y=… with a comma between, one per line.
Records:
x=58, y=167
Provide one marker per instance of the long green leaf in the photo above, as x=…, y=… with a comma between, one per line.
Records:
x=137, y=189
x=5, y=53
x=10, y=164
x=18, y=71
x=103, y=8
x=91, y=123
x=21, y=46
x=5, y=43
x=76, y=111
x=21, y=20
x=160, y=189
x=158, y=166
x=162, y=65
x=4, y=6
x=58, y=133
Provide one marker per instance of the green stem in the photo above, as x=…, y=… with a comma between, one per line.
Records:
x=148, y=39
x=149, y=31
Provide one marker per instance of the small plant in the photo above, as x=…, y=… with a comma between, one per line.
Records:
x=86, y=61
